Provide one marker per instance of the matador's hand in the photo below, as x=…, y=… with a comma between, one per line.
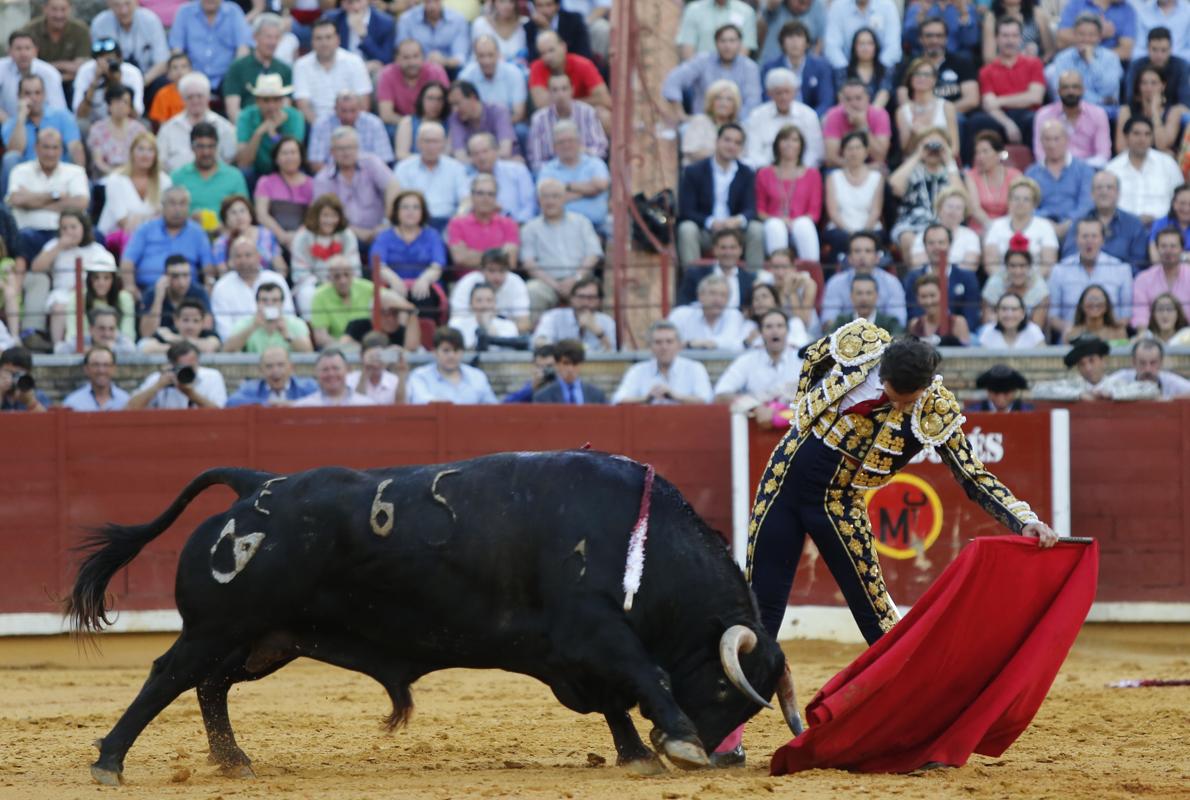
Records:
x=1043, y=533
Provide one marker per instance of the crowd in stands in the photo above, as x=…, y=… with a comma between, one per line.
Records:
x=234, y=176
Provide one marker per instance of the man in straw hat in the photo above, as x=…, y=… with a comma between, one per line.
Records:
x=263, y=124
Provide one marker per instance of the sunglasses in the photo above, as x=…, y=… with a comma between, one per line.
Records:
x=104, y=45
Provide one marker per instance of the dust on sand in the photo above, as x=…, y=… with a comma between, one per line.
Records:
x=314, y=731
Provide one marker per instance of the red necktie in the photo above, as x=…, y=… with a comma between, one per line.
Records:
x=866, y=407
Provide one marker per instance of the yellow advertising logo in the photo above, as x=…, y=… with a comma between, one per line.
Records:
x=906, y=516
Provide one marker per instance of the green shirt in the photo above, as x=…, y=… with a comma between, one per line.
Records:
x=75, y=41
x=262, y=339
x=329, y=311
x=208, y=193
x=249, y=121
x=243, y=73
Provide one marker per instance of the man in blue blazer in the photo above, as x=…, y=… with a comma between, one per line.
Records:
x=278, y=386
x=366, y=31
x=817, y=88
x=570, y=27
x=961, y=284
x=727, y=247
x=569, y=388
x=719, y=193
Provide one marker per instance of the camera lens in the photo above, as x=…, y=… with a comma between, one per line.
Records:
x=25, y=382
x=186, y=375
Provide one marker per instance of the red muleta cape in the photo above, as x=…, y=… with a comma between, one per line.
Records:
x=964, y=672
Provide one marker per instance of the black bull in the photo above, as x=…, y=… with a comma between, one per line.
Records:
x=510, y=561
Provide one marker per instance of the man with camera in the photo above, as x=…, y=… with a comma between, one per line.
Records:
x=181, y=384
x=18, y=391
x=106, y=68
x=99, y=393
x=270, y=327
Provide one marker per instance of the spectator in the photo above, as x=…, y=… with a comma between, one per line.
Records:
x=173, y=233
x=546, y=16
x=854, y=194
x=1126, y=237
x=956, y=80
x=471, y=235
x=502, y=22
x=400, y=87
x=862, y=256
x=499, y=82
x=719, y=193
x=126, y=207
x=584, y=177
x=923, y=108
x=1148, y=100
x=367, y=184
x=795, y=292
x=324, y=235
x=703, y=19
x=277, y=386
x=515, y=195
x=960, y=22
x=398, y=324
x=864, y=65
x=60, y=40
x=189, y=322
x=138, y=32
x=1020, y=278
x=447, y=380
x=863, y=303
x=442, y=32
x=789, y=197
x=917, y=183
x=543, y=372
x=765, y=373
x=482, y=322
x=666, y=378
x=815, y=80
x=512, y=295
x=264, y=123
x=558, y=249
x=1042, y=243
x=768, y=119
x=367, y=32
x=1175, y=72
x=1012, y=85
x=18, y=391
x=1094, y=315
x=161, y=302
x=100, y=392
x=431, y=106
x=585, y=80
x=1148, y=177
x=182, y=383
x=413, y=250
x=856, y=114
x=19, y=133
x=1089, y=266
x=471, y=116
x=319, y=76
x=582, y=319
x=1168, y=275
x=1037, y=28
x=167, y=101
x=110, y=139
x=563, y=106
x=208, y=179
x=989, y=180
x=1148, y=358
x=925, y=318
x=441, y=179
x=330, y=370
x=105, y=70
x=1099, y=67
x=54, y=267
x=349, y=112
x=262, y=60
x=40, y=190
x=775, y=16
x=21, y=61
x=1012, y=329
x=962, y=287
x=373, y=379
x=1003, y=385
x=345, y=297
x=1086, y=356
x=270, y=327
x=1120, y=16
x=1178, y=219
x=710, y=324
x=214, y=33
x=102, y=290
x=1064, y=181
x=951, y=207
x=284, y=195
x=727, y=246
x=570, y=388
x=695, y=76
x=233, y=299
x=1167, y=321
x=845, y=19
x=173, y=139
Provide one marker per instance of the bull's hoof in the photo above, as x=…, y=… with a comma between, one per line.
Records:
x=107, y=777
x=649, y=766
x=237, y=771
x=735, y=757
x=681, y=753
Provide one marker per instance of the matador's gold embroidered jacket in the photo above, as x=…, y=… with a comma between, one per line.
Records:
x=882, y=444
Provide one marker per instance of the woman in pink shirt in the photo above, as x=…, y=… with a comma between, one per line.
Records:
x=789, y=198
x=988, y=180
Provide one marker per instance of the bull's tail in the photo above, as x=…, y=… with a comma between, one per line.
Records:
x=112, y=547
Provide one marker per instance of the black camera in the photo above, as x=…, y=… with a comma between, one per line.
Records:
x=548, y=374
x=186, y=375
x=934, y=147
x=24, y=382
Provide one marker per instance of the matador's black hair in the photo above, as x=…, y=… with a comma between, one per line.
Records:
x=909, y=364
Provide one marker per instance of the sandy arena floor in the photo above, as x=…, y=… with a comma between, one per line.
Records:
x=313, y=731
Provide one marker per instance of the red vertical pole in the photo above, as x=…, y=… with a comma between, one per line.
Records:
x=376, y=311
x=944, y=311
x=622, y=58
x=79, y=300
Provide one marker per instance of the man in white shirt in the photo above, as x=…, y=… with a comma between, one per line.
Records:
x=173, y=140
x=330, y=370
x=764, y=374
x=181, y=384
x=96, y=75
x=448, y=380
x=22, y=60
x=441, y=179
x=1148, y=177
x=233, y=298
x=666, y=378
x=1148, y=358
x=581, y=320
x=558, y=248
x=512, y=295
x=320, y=75
x=767, y=120
x=374, y=380
x=482, y=320
x=41, y=189
x=710, y=324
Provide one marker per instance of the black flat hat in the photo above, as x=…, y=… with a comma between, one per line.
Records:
x=1085, y=346
x=1001, y=378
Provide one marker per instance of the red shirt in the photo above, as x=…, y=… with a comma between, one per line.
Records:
x=997, y=79
x=391, y=85
x=584, y=75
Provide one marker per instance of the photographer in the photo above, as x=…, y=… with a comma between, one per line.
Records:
x=106, y=68
x=544, y=373
x=181, y=384
x=270, y=327
x=18, y=391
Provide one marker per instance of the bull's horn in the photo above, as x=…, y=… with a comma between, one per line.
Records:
x=735, y=640
x=788, y=700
